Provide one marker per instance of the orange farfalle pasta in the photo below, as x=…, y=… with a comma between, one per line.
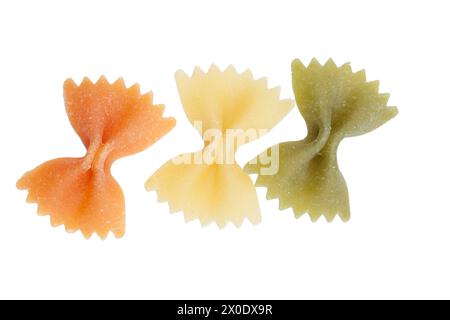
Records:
x=113, y=122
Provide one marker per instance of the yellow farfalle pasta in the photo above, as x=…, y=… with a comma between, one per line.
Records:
x=228, y=109
x=335, y=103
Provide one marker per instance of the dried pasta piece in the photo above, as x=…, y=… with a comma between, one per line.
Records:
x=335, y=103
x=231, y=109
x=113, y=122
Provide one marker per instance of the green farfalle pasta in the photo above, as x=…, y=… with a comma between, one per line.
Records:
x=335, y=103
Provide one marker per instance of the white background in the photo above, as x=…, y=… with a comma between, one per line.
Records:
x=397, y=243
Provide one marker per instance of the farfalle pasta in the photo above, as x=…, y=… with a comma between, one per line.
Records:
x=113, y=122
x=335, y=103
x=228, y=109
